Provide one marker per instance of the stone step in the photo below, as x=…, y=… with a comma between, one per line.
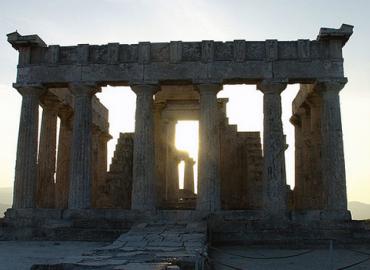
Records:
x=146, y=246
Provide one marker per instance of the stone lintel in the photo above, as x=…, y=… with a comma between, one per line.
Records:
x=202, y=52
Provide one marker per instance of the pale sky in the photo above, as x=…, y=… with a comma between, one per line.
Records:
x=70, y=22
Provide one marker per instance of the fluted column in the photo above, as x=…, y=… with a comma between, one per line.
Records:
x=209, y=149
x=81, y=171
x=332, y=155
x=298, y=161
x=274, y=181
x=95, y=169
x=172, y=175
x=189, y=174
x=47, y=154
x=26, y=162
x=317, y=187
x=143, y=185
x=63, y=158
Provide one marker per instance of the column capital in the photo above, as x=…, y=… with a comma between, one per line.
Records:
x=140, y=89
x=208, y=88
x=272, y=86
x=330, y=85
x=30, y=89
x=50, y=102
x=83, y=88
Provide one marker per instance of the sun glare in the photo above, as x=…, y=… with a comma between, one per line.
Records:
x=187, y=140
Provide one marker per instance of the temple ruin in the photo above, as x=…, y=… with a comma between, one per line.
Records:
x=183, y=78
x=179, y=81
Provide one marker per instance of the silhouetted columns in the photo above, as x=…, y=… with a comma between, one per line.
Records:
x=209, y=149
x=104, y=137
x=95, y=168
x=189, y=174
x=172, y=175
x=63, y=158
x=332, y=156
x=306, y=196
x=100, y=140
x=26, y=162
x=143, y=185
x=317, y=187
x=274, y=181
x=81, y=169
x=298, y=186
x=47, y=153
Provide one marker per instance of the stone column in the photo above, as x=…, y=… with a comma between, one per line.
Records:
x=209, y=149
x=63, y=159
x=298, y=161
x=172, y=175
x=306, y=196
x=143, y=186
x=81, y=171
x=26, y=162
x=189, y=174
x=95, y=169
x=101, y=166
x=47, y=154
x=274, y=182
x=332, y=156
x=317, y=187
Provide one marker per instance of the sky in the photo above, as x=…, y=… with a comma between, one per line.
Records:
x=71, y=22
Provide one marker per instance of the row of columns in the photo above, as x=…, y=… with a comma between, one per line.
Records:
x=320, y=167
x=35, y=184
x=144, y=189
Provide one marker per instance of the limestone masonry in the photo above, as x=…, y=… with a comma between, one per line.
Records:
x=68, y=180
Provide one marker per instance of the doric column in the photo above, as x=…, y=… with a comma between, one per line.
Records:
x=189, y=174
x=172, y=175
x=64, y=157
x=26, y=163
x=209, y=149
x=298, y=161
x=274, y=180
x=306, y=198
x=317, y=187
x=81, y=171
x=143, y=185
x=332, y=156
x=95, y=169
x=47, y=153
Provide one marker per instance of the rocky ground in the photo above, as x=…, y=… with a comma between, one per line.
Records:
x=20, y=255
x=241, y=257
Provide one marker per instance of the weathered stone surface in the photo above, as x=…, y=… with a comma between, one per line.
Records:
x=81, y=170
x=63, y=159
x=333, y=168
x=143, y=185
x=47, y=154
x=209, y=149
x=26, y=163
x=274, y=176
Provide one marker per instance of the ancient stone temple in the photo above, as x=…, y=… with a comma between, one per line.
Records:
x=179, y=81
